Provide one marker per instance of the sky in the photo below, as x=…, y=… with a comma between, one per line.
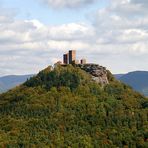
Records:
x=35, y=34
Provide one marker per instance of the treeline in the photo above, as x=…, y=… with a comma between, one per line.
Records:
x=65, y=108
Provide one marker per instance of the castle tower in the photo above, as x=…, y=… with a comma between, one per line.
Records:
x=65, y=58
x=72, y=56
x=83, y=61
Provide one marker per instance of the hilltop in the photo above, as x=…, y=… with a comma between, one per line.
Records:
x=73, y=106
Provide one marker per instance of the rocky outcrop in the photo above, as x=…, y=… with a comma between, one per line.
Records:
x=99, y=73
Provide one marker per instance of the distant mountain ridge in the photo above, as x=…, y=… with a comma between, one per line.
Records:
x=10, y=81
x=118, y=76
x=137, y=79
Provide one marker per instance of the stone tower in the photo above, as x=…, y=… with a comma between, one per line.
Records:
x=72, y=56
x=83, y=61
x=65, y=58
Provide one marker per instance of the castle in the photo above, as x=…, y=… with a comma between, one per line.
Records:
x=98, y=73
x=70, y=58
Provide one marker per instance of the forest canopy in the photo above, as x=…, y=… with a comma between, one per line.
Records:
x=64, y=107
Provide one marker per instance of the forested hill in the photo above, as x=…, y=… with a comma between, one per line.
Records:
x=65, y=107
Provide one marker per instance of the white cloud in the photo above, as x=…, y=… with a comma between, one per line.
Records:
x=117, y=39
x=68, y=3
x=119, y=27
x=28, y=46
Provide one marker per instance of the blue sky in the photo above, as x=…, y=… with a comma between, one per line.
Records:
x=35, y=33
x=35, y=9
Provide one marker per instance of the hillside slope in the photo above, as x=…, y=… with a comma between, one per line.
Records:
x=8, y=82
x=138, y=80
x=65, y=107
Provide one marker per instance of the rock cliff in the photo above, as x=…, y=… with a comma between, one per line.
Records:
x=99, y=73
